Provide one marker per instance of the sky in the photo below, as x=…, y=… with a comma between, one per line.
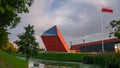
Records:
x=76, y=19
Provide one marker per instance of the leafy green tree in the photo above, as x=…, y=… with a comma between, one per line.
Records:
x=115, y=28
x=27, y=44
x=3, y=38
x=9, y=10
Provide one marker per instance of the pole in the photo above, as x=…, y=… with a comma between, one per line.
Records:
x=71, y=43
x=84, y=45
x=102, y=33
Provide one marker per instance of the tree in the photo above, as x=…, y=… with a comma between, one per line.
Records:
x=115, y=28
x=3, y=38
x=27, y=44
x=9, y=47
x=9, y=10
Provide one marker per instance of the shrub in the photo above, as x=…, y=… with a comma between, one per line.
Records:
x=104, y=60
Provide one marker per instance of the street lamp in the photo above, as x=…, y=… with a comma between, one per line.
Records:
x=84, y=45
x=70, y=43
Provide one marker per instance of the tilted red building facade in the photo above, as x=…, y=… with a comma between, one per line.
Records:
x=53, y=40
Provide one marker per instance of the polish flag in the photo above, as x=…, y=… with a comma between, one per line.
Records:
x=109, y=10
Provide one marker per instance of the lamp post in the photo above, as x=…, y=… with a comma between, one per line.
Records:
x=84, y=45
x=70, y=43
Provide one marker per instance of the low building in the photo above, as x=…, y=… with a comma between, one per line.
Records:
x=110, y=45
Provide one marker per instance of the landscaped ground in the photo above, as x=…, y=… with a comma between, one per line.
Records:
x=10, y=61
x=105, y=60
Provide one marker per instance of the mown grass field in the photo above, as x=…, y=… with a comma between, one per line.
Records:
x=76, y=57
x=10, y=61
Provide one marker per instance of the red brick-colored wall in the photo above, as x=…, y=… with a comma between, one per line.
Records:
x=55, y=42
x=62, y=40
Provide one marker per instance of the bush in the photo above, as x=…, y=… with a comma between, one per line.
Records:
x=104, y=60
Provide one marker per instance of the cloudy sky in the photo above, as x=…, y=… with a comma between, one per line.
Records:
x=76, y=19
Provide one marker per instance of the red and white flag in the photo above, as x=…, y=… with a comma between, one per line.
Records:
x=109, y=10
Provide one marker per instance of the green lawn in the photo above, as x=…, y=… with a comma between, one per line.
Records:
x=10, y=61
x=76, y=57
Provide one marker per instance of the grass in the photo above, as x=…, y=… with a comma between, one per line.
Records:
x=10, y=61
x=76, y=57
x=106, y=60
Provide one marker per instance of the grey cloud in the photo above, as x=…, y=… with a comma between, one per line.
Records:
x=82, y=19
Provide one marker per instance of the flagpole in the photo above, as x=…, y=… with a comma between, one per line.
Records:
x=102, y=26
x=108, y=10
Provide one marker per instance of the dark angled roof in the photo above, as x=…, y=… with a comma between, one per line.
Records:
x=51, y=32
x=115, y=40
